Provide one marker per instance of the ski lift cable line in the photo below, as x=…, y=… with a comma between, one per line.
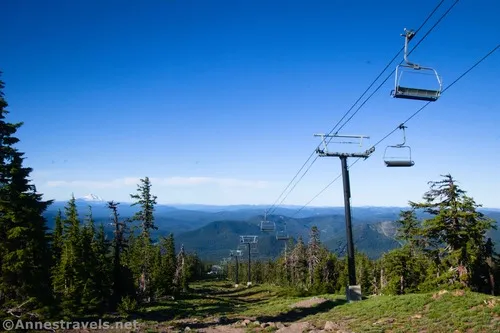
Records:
x=444, y=90
x=392, y=72
x=273, y=207
x=399, y=126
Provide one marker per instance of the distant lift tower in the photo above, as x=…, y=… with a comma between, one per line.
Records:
x=251, y=242
x=282, y=235
x=353, y=291
x=236, y=254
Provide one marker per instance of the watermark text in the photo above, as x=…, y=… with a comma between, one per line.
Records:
x=19, y=324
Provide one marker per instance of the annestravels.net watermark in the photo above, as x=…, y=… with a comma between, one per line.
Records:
x=19, y=324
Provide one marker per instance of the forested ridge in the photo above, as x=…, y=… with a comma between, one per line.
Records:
x=75, y=270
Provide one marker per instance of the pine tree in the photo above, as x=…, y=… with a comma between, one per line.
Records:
x=313, y=252
x=92, y=294
x=298, y=264
x=102, y=274
x=180, y=278
x=57, y=241
x=69, y=276
x=147, y=202
x=143, y=248
x=409, y=229
x=120, y=274
x=24, y=242
x=169, y=269
x=456, y=234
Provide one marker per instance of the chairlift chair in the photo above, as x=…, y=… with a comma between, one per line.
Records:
x=282, y=235
x=267, y=226
x=399, y=160
x=420, y=94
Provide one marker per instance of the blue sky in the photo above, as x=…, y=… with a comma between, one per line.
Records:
x=218, y=101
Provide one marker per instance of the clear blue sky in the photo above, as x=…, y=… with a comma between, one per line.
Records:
x=217, y=101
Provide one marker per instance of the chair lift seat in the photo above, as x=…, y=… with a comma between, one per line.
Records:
x=399, y=163
x=282, y=236
x=267, y=226
x=416, y=94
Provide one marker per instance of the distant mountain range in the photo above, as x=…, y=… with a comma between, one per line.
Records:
x=212, y=231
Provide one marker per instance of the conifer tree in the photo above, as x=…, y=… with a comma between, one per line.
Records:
x=456, y=233
x=57, y=240
x=92, y=293
x=298, y=263
x=104, y=263
x=120, y=274
x=24, y=242
x=409, y=229
x=169, y=268
x=313, y=252
x=147, y=202
x=69, y=275
x=180, y=278
x=143, y=249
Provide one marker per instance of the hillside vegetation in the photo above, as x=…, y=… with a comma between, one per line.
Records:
x=218, y=306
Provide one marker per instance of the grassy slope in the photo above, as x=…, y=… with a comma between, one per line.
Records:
x=449, y=312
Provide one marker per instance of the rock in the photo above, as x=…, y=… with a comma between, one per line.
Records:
x=264, y=325
x=295, y=328
x=279, y=325
x=246, y=322
x=187, y=328
x=256, y=322
x=330, y=326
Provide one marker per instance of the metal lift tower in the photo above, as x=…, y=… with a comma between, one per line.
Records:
x=249, y=241
x=236, y=254
x=353, y=291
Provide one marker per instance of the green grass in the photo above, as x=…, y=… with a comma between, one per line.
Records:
x=449, y=312
x=465, y=312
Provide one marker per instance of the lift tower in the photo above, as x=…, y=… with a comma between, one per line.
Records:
x=236, y=254
x=251, y=242
x=353, y=291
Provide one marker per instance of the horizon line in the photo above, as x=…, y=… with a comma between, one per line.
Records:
x=254, y=205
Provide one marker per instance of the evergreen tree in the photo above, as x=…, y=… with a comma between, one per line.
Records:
x=298, y=264
x=120, y=274
x=69, y=275
x=103, y=269
x=143, y=248
x=57, y=240
x=147, y=202
x=456, y=233
x=313, y=252
x=180, y=278
x=24, y=242
x=169, y=268
x=409, y=229
x=92, y=293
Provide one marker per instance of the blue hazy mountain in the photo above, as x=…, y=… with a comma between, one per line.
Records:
x=212, y=231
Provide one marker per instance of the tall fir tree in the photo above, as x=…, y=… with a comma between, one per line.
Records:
x=57, y=240
x=455, y=236
x=313, y=252
x=143, y=249
x=180, y=278
x=120, y=273
x=169, y=263
x=68, y=278
x=24, y=241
